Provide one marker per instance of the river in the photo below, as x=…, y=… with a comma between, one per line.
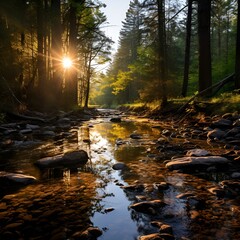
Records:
x=63, y=203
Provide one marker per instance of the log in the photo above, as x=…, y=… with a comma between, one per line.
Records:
x=218, y=85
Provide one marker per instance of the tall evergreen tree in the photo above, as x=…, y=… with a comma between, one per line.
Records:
x=204, y=36
x=237, y=63
x=187, y=48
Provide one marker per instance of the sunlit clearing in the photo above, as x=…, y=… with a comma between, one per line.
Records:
x=67, y=62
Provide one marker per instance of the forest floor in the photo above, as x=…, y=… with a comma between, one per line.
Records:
x=224, y=103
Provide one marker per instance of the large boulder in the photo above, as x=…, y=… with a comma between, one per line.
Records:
x=194, y=162
x=69, y=159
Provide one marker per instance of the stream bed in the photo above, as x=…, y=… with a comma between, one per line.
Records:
x=63, y=203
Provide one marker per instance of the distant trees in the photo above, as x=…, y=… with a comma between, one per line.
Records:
x=35, y=36
x=166, y=48
x=188, y=44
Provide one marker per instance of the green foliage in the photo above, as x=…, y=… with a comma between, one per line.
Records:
x=2, y=117
x=122, y=81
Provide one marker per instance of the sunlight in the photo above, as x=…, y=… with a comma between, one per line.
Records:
x=67, y=62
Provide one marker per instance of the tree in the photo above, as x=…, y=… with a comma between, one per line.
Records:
x=187, y=49
x=126, y=84
x=237, y=61
x=162, y=55
x=204, y=37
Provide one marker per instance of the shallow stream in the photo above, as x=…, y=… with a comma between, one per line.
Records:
x=64, y=202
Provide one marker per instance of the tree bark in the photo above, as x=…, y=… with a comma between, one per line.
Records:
x=162, y=68
x=56, y=55
x=237, y=61
x=204, y=37
x=187, y=49
x=40, y=42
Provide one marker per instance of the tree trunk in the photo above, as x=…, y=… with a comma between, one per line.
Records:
x=162, y=51
x=204, y=37
x=72, y=81
x=56, y=54
x=187, y=49
x=40, y=57
x=88, y=77
x=237, y=61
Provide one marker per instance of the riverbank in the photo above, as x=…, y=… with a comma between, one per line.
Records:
x=225, y=103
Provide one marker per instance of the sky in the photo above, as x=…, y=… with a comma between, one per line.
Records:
x=116, y=13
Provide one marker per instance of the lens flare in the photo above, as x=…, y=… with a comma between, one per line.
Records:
x=67, y=62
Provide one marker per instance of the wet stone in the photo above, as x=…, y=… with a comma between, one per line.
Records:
x=165, y=228
x=194, y=214
x=153, y=236
x=161, y=186
x=119, y=166
x=148, y=206
x=216, y=134
x=219, y=192
x=197, y=153
x=90, y=234
x=116, y=119
x=107, y=210
x=13, y=225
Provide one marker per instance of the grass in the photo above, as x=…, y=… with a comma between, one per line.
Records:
x=223, y=103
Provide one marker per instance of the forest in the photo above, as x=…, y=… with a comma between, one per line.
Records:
x=167, y=49
x=141, y=142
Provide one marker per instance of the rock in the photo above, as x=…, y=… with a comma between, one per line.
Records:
x=69, y=159
x=162, y=140
x=166, y=132
x=134, y=187
x=216, y=133
x=161, y=186
x=16, y=178
x=222, y=123
x=119, y=141
x=153, y=236
x=33, y=127
x=235, y=142
x=165, y=228
x=193, y=162
x=119, y=166
x=185, y=195
x=194, y=214
x=157, y=224
x=157, y=236
x=107, y=210
x=116, y=119
x=44, y=134
x=135, y=136
x=197, y=153
x=167, y=236
x=232, y=132
x=231, y=187
x=26, y=131
x=235, y=175
x=147, y=206
x=219, y=192
x=92, y=233
x=237, y=123
x=63, y=121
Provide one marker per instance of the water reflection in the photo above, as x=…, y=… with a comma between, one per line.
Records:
x=70, y=200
